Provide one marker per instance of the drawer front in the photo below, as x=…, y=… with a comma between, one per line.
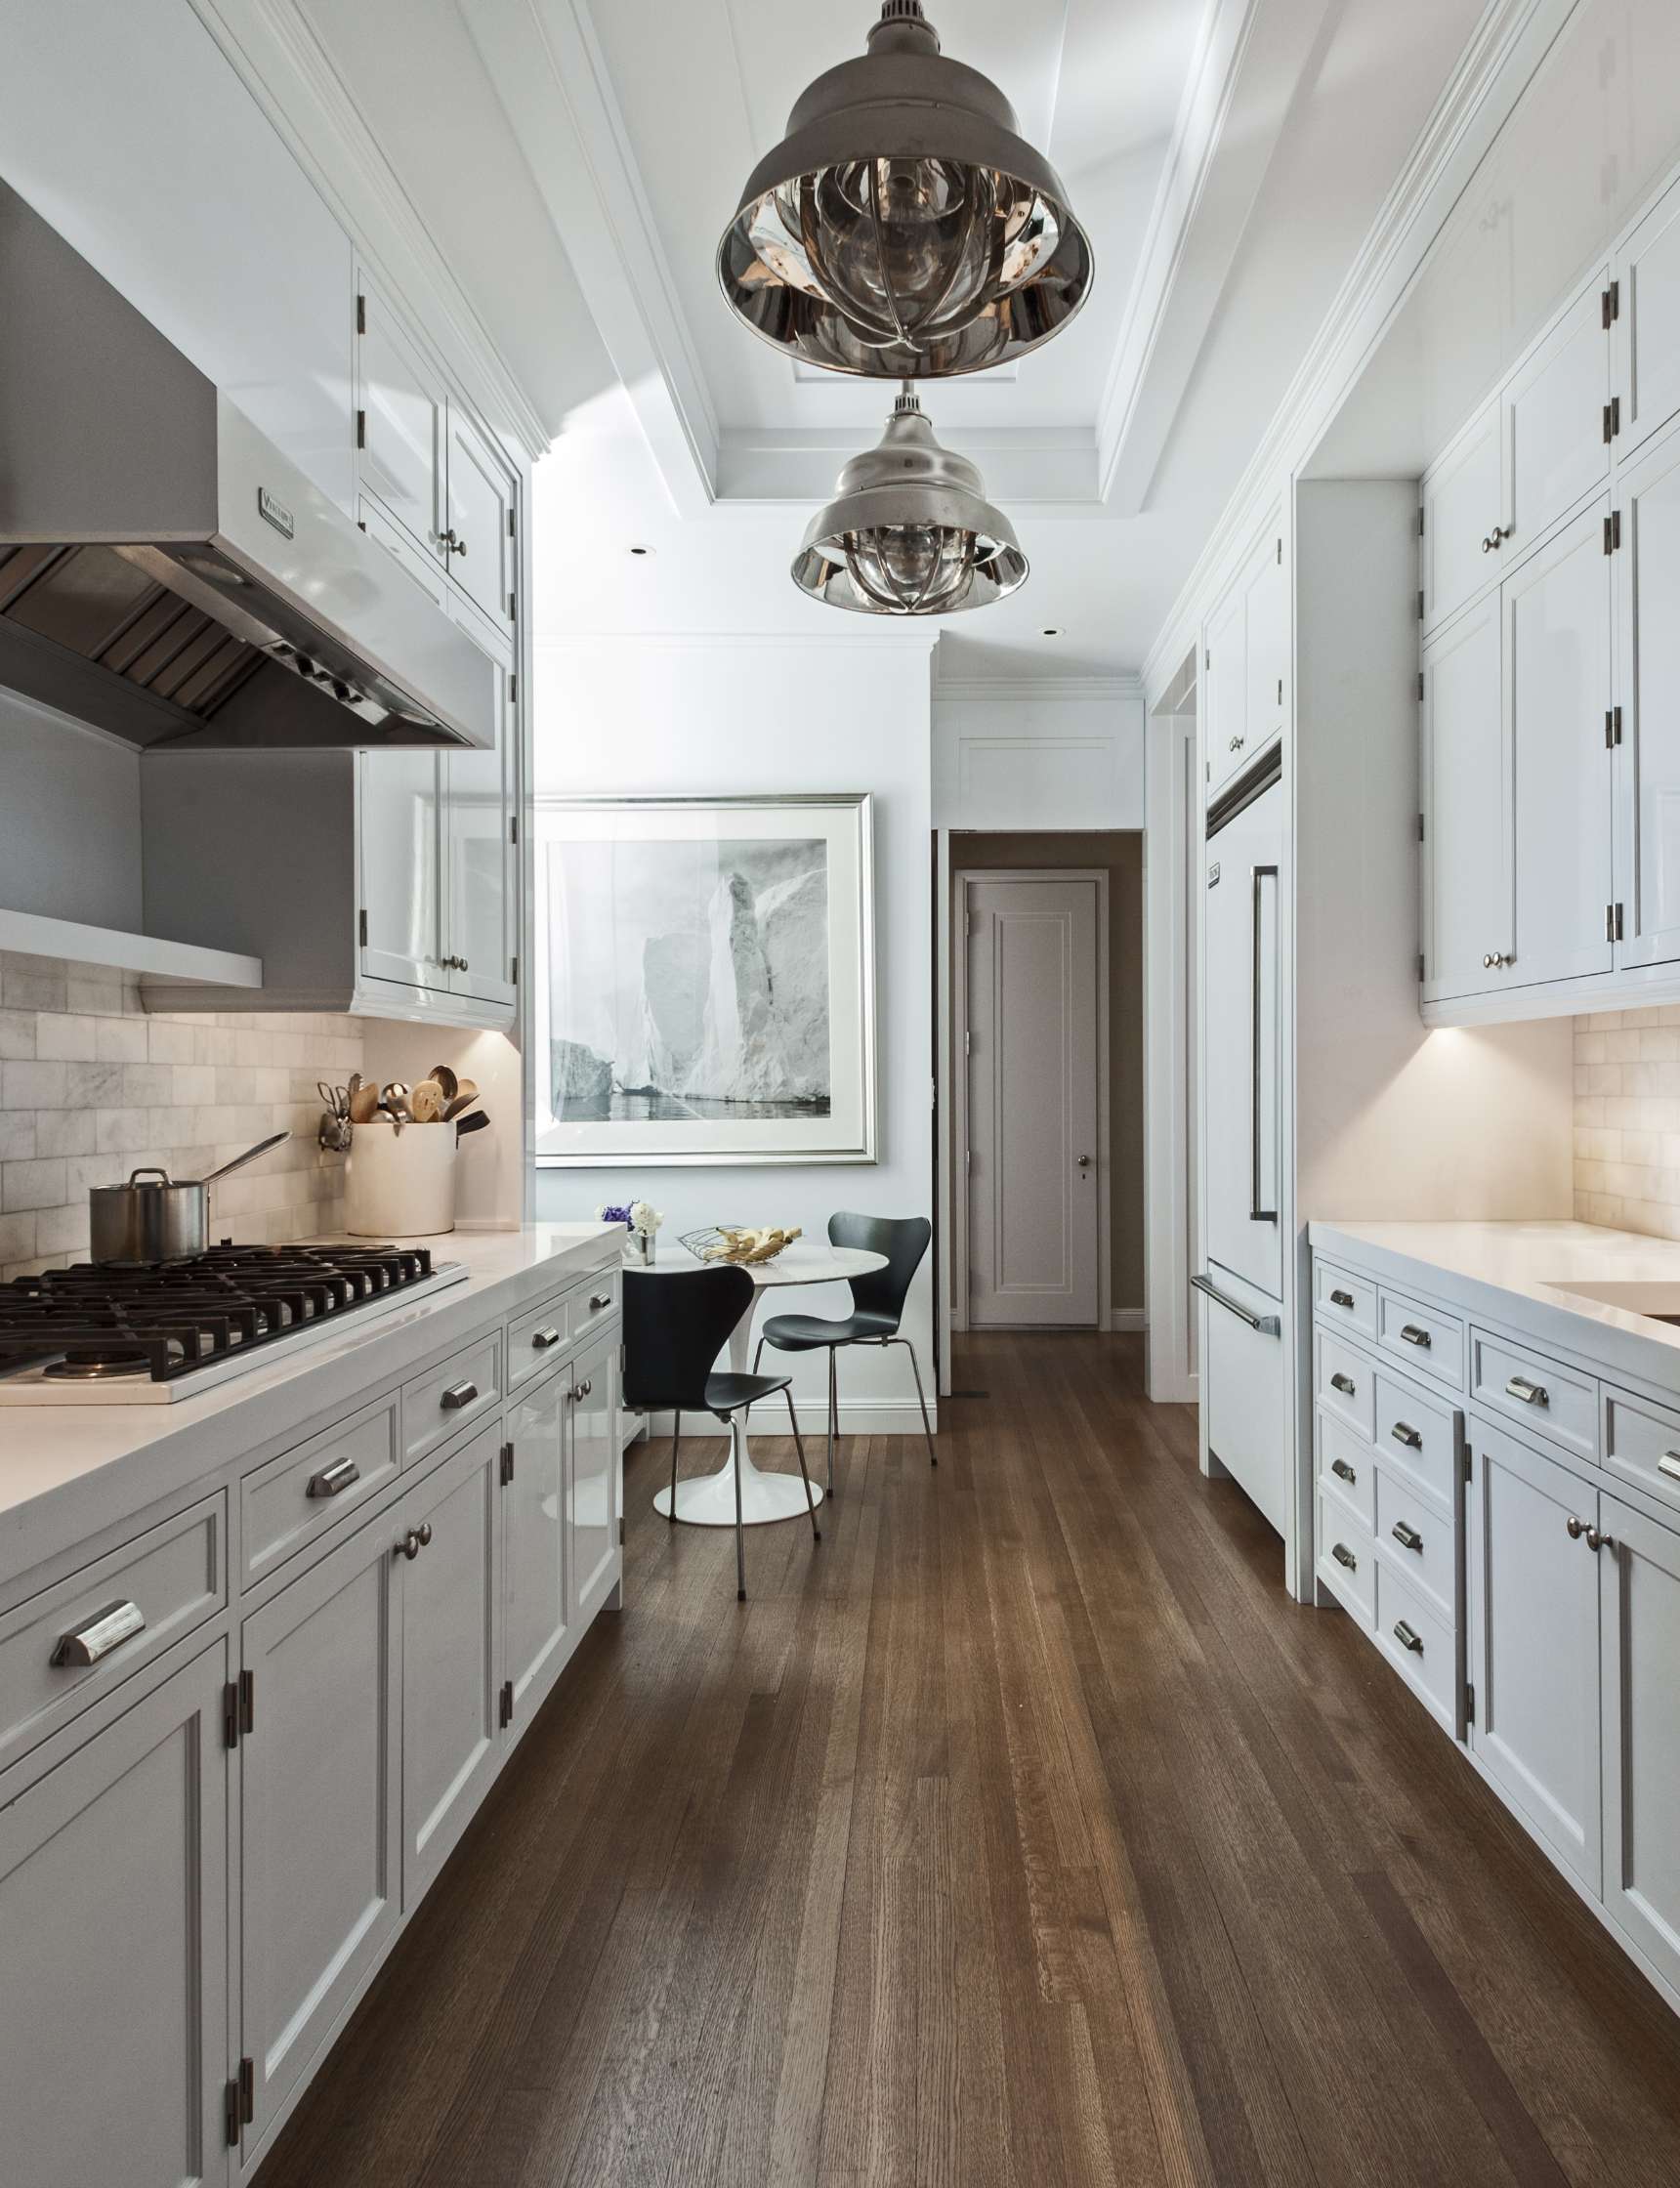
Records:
x=1345, y=1301
x=446, y=1398
x=1345, y=1382
x=1429, y=1341
x=1526, y=1387
x=302, y=1494
x=1642, y=1443
x=1420, y=1644
x=1347, y=1561
x=104, y=1622
x=594, y=1303
x=1346, y=1473
x=1418, y=1543
x=540, y=1337
x=1417, y=1438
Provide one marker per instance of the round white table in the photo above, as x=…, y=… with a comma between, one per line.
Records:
x=708, y=1499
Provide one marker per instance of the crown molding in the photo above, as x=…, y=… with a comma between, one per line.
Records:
x=275, y=52
x=912, y=639
x=1493, y=70
x=1015, y=690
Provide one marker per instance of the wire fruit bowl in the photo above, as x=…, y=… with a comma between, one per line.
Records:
x=740, y=1244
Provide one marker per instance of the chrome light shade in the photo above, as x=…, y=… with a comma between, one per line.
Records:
x=910, y=532
x=904, y=229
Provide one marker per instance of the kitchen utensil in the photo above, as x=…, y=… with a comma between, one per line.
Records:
x=157, y=1218
x=395, y=1098
x=460, y=1102
x=474, y=1123
x=363, y=1101
x=425, y=1102
x=397, y=1121
x=332, y=1096
x=446, y=1080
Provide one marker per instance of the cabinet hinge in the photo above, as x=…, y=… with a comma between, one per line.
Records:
x=1420, y=604
x=1613, y=922
x=1421, y=831
x=1613, y=417
x=1610, y=305
x=361, y=927
x=514, y=971
x=247, y=1704
x=1280, y=554
x=1279, y=691
x=967, y=1043
x=230, y=2114
x=1469, y=1704
x=239, y=2107
x=1469, y=1470
x=505, y=1716
x=1612, y=727
x=514, y=828
x=620, y=1534
x=1208, y=657
x=507, y=1464
x=230, y=1714
x=1612, y=532
x=512, y=690
x=361, y=429
x=513, y=608
x=511, y=532
x=1420, y=684
x=1421, y=971
x=1420, y=520
x=361, y=314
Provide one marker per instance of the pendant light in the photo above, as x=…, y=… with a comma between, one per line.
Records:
x=904, y=229
x=911, y=532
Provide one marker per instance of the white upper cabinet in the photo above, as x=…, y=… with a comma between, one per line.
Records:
x=1647, y=324
x=402, y=414
x=1647, y=571
x=1557, y=689
x=400, y=892
x=1247, y=645
x=480, y=871
x=1639, y=1582
x=1226, y=684
x=1467, y=801
x=480, y=534
x=1464, y=501
x=1556, y=424
x=1268, y=644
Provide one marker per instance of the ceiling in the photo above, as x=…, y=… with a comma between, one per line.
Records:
x=1226, y=156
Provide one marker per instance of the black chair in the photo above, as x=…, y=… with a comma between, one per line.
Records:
x=674, y=1329
x=878, y=1309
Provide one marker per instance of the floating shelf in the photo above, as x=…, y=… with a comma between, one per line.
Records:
x=33, y=936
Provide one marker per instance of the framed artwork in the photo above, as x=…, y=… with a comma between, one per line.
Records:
x=705, y=980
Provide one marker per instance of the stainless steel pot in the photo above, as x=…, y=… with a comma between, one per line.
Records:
x=155, y=1218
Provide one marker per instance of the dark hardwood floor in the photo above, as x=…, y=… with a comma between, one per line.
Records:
x=1021, y=1832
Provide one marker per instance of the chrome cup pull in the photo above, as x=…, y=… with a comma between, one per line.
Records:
x=1342, y=1299
x=1344, y=1556
x=105, y=1630
x=1411, y=1334
x=334, y=1480
x=599, y=1301
x=1408, y=1538
x=542, y=1339
x=1341, y=1466
x=1531, y=1394
x=1669, y=1464
x=1345, y=1384
x=1402, y=1432
x=458, y=1394
x=1409, y=1639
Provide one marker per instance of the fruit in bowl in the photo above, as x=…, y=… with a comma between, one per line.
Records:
x=734, y=1243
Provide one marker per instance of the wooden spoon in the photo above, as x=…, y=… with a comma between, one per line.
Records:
x=363, y=1101
x=446, y=1080
x=426, y=1101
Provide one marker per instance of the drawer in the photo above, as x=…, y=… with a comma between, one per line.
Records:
x=1429, y=1341
x=120, y=1612
x=1642, y=1443
x=1347, y=1560
x=1418, y=1439
x=446, y=1398
x=540, y=1336
x=1345, y=1469
x=1345, y=1382
x=1526, y=1387
x=1344, y=1300
x=1420, y=1545
x=1420, y=1644
x=304, y=1494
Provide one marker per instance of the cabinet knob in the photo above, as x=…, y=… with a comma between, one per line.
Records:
x=1596, y=1541
x=1493, y=539
x=409, y=1546
x=1577, y=1527
x=1237, y=742
x=453, y=542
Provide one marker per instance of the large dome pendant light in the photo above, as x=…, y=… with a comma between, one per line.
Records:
x=911, y=532
x=904, y=229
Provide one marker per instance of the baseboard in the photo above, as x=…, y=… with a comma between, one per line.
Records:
x=1129, y=1318
x=862, y=1416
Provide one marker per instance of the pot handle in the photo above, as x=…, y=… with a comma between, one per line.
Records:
x=240, y=1160
x=146, y=1170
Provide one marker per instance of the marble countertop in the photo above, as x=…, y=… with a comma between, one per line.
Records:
x=1520, y=1275
x=68, y=1472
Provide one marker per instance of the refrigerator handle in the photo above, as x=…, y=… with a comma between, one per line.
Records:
x=1268, y=1326
x=1257, y=1212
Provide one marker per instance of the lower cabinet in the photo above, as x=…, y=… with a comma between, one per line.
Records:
x=1640, y=1626
x=537, y=1616
x=591, y=1480
x=114, y=1947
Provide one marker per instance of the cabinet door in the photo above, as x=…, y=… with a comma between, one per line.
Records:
x=1641, y=1641
x=452, y=1654
x=1468, y=913
x=1533, y=1590
x=534, y=1597
x=1556, y=676
x=417, y=562
x=398, y=894
x=1648, y=765
x=1647, y=326
x=1555, y=432
x=1461, y=504
x=1225, y=681
x=320, y=1786
x=1269, y=626
x=113, y=1942
x=481, y=864
x=482, y=489
x=592, y=1471
x=400, y=428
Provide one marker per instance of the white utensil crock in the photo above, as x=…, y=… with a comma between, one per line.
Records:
x=401, y=1185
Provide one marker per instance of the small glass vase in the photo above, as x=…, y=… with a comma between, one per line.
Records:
x=639, y=1248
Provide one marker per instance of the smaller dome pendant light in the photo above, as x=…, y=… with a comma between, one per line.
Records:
x=911, y=532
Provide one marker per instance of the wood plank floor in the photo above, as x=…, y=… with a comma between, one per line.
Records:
x=1023, y=1832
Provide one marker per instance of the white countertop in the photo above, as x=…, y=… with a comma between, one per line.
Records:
x=1518, y=1275
x=68, y=1472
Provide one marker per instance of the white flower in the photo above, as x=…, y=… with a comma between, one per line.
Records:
x=643, y=1217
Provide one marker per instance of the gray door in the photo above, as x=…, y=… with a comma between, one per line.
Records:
x=113, y=1950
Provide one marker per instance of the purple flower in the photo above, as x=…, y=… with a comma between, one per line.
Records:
x=616, y=1215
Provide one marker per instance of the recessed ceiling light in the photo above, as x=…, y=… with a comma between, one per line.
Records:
x=1053, y=630
x=643, y=550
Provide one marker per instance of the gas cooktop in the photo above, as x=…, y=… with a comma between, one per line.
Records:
x=118, y=1336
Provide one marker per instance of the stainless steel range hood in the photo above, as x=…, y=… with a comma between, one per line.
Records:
x=165, y=572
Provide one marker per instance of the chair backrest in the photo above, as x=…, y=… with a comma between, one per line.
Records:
x=674, y=1329
x=904, y=1240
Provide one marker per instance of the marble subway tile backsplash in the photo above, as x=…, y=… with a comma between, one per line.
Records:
x=92, y=1088
x=1627, y=1120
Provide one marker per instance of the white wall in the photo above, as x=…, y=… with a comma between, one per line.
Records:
x=1027, y=755
x=701, y=717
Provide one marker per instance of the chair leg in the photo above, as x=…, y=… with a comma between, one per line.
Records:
x=921, y=1398
x=758, y=1355
x=676, y=1440
x=799, y=1446
x=833, y=1413
x=740, y=1531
